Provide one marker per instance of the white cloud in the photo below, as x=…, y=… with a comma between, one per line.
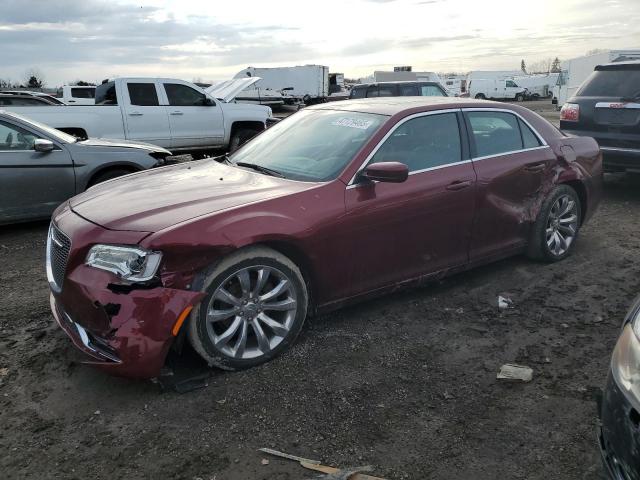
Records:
x=95, y=39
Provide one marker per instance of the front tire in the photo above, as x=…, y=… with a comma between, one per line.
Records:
x=240, y=137
x=255, y=307
x=519, y=98
x=480, y=96
x=556, y=229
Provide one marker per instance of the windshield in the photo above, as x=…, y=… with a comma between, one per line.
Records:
x=57, y=134
x=612, y=83
x=311, y=145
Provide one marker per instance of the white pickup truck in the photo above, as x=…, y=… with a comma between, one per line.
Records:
x=173, y=114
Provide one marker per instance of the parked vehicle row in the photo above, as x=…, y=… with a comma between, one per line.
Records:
x=397, y=89
x=170, y=113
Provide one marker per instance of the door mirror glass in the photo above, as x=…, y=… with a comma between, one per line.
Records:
x=42, y=145
x=392, y=172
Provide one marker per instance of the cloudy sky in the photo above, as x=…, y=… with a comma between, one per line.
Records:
x=212, y=40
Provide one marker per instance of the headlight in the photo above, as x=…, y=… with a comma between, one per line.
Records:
x=625, y=363
x=130, y=263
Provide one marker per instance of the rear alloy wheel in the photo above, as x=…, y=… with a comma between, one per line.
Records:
x=556, y=228
x=254, y=310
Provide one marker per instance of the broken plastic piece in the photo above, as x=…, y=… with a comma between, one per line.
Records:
x=504, y=302
x=511, y=371
x=290, y=457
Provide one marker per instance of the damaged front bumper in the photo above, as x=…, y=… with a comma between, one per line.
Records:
x=619, y=435
x=125, y=331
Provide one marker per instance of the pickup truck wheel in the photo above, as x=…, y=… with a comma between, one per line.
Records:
x=255, y=307
x=555, y=231
x=239, y=137
x=480, y=96
x=108, y=175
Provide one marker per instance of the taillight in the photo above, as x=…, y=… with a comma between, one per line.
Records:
x=570, y=112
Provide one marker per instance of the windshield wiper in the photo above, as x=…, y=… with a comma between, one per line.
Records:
x=261, y=169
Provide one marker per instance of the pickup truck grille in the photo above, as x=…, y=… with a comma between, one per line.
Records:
x=58, y=248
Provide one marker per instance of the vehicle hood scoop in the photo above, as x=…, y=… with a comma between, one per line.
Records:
x=155, y=199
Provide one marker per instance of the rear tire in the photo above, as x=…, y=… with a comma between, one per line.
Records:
x=555, y=231
x=480, y=96
x=255, y=307
x=108, y=175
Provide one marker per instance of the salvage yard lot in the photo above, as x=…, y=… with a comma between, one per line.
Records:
x=406, y=383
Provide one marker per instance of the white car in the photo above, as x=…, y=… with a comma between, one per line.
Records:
x=170, y=113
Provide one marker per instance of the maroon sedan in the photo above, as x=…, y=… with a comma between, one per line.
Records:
x=336, y=203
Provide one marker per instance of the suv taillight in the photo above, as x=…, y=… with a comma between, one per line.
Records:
x=570, y=112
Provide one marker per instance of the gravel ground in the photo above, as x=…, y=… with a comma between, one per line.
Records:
x=406, y=383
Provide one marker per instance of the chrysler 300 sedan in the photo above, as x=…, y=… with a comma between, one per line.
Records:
x=333, y=204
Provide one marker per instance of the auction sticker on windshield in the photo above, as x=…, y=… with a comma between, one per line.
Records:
x=353, y=123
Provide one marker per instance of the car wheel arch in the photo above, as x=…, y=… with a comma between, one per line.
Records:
x=104, y=169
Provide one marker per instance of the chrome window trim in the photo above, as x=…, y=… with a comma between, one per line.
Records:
x=540, y=138
x=390, y=132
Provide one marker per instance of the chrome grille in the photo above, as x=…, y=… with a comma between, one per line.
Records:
x=58, y=247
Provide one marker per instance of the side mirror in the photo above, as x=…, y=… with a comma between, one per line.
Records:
x=392, y=172
x=208, y=102
x=42, y=145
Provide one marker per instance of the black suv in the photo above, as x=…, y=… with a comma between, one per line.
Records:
x=607, y=108
x=398, y=89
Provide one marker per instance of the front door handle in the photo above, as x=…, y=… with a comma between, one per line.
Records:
x=538, y=167
x=458, y=185
x=135, y=114
x=176, y=113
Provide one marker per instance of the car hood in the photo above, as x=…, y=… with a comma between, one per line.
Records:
x=105, y=142
x=159, y=198
x=228, y=90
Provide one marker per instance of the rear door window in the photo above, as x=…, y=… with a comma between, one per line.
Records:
x=495, y=132
x=423, y=142
x=386, y=91
x=409, y=91
x=143, y=94
x=372, y=91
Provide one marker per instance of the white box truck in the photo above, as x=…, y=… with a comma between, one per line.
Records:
x=575, y=71
x=309, y=83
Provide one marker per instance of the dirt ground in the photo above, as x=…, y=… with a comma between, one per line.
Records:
x=406, y=383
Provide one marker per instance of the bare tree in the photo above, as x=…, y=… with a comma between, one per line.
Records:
x=541, y=66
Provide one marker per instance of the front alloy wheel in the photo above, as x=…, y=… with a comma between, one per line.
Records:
x=254, y=310
x=251, y=312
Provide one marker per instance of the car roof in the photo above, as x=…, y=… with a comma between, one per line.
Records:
x=394, y=105
x=626, y=65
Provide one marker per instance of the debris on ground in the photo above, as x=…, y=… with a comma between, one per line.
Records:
x=264, y=461
x=333, y=473
x=504, y=302
x=511, y=371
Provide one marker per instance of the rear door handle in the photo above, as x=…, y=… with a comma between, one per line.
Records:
x=538, y=167
x=176, y=113
x=458, y=185
x=135, y=114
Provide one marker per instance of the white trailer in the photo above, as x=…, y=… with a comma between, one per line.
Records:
x=309, y=83
x=575, y=71
x=538, y=86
